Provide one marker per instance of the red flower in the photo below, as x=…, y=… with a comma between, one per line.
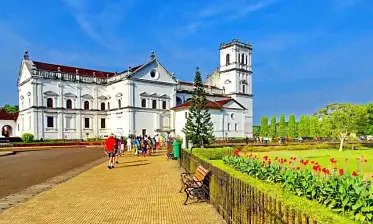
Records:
x=265, y=158
x=285, y=160
x=354, y=173
x=325, y=170
x=298, y=168
x=341, y=172
x=365, y=160
x=316, y=168
x=332, y=160
x=236, y=152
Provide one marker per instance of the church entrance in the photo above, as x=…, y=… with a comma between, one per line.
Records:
x=6, y=131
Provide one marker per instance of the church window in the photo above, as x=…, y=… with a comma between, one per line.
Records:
x=178, y=101
x=143, y=103
x=50, y=103
x=103, y=123
x=242, y=59
x=86, y=105
x=164, y=105
x=229, y=126
x=227, y=61
x=243, y=88
x=246, y=60
x=86, y=122
x=108, y=105
x=119, y=103
x=152, y=73
x=236, y=127
x=232, y=115
x=69, y=104
x=103, y=106
x=50, y=122
x=239, y=58
x=154, y=104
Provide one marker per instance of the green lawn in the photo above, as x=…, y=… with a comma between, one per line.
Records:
x=322, y=156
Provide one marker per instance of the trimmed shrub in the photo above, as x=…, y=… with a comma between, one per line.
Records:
x=27, y=137
x=213, y=153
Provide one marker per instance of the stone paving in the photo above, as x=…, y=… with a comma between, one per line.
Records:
x=138, y=190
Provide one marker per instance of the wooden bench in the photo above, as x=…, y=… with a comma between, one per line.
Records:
x=5, y=143
x=194, y=184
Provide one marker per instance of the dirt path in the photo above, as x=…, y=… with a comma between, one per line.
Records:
x=25, y=169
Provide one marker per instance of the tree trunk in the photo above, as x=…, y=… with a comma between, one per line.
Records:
x=343, y=136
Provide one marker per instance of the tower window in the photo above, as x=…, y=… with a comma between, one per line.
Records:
x=108, y=105
x=239, y=58
x=103, y=106
x=164, y=105
x=119, y=103
x=227, y=60
x=69, y=104
x=50, y=122
x=86, y=105
x=49, y=103
x=103, y=123
x=242, y=59
x=243, y=88
x=86, y=122
x=246, y=60
x=154, y=104
x=143, y=103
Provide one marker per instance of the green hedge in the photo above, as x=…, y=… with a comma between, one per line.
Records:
x=285, y=147
x=212, y=153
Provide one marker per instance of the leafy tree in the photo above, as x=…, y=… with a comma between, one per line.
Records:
x=10, y=108
x=256, y=131
x=199, y=128
x=314, y=127
x=369, y=129
x=304, y=126
x=292, y=127
x=272, y=127
x=345, y=119
x=325, y=127
x=282, y=132
x=264, y=129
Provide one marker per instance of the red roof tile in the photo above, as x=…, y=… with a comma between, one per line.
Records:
x=210, y=104
x=69, y=69
x=4, y=115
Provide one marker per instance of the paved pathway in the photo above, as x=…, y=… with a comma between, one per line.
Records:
x=138, y=190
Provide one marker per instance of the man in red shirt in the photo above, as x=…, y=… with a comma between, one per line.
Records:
x=110, y=150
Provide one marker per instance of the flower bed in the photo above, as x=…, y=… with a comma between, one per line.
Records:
x=334, y=188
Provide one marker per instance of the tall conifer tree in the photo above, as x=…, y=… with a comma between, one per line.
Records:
x=292, y=127
x=199, y=128
x=282, y=132
x=264, y=129
x=272, y=127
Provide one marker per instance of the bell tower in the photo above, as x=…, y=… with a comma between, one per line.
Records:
x=235, y=67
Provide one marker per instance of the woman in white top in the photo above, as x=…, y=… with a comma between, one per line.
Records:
x=129, y=144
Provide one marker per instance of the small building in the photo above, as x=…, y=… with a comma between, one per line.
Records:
x=8, y=123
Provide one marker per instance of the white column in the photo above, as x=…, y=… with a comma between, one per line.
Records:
x=61, y=114
x=79, y=113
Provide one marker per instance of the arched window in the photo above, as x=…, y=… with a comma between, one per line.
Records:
x=143, y=103
x=86, y=105
x=242, y=59
x=227, y=61
x=103, y=106
x=49, y=102
x=154, y=104
x=119, y=103
x=178, y=101
x=108, y=105
x=69, y=104
x=164, y=105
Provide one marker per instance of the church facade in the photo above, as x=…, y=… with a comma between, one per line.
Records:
x=65, y=102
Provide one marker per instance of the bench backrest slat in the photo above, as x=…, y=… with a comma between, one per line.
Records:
x=200, y=173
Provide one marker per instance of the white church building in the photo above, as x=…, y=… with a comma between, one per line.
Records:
x=65, y=102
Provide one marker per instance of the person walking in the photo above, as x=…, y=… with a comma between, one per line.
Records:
x=121, y=145
x=117, y=150
x=110, y=150
x=129, y=144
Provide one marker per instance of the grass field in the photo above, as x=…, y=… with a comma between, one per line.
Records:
x=348, y=159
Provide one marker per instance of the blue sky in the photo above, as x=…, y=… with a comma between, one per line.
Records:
x=306, y=53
